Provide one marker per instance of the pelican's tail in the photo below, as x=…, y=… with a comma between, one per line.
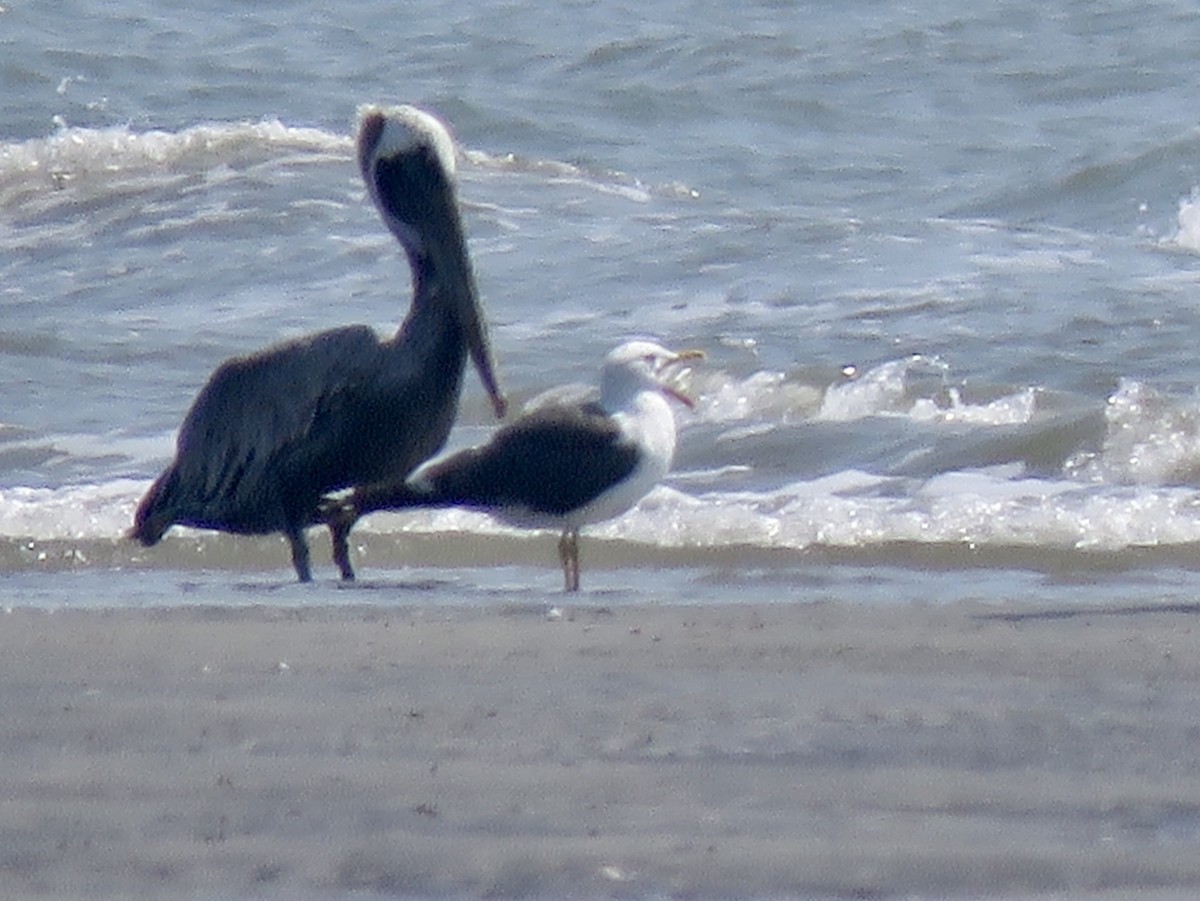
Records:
x=154, y=516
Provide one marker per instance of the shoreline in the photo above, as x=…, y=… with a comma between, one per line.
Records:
x=809, y=750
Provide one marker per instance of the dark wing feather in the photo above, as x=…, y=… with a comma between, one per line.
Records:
x=551, y=461
x=235, y=462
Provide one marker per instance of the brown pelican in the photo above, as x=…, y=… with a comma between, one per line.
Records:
x=274, y=431
x=560, y=466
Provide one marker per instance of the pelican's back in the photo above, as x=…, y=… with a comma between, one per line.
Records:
x=237, y=464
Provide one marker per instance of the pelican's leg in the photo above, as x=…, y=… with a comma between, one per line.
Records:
x=568, y=553
x=340, y=515
x=339, y=537
x=295, y=537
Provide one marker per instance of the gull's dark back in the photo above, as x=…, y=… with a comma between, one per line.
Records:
x=553, y=460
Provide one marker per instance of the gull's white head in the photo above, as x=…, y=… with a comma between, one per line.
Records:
x=643, y=366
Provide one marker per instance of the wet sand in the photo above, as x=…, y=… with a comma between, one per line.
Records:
x=632, y=751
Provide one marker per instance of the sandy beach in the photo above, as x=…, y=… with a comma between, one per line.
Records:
x=627, y=751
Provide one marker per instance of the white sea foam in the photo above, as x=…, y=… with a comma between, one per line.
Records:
x=71, y=512
x=1187, y=233
x=973, y=509
x=883, y=389
x=761, y=395
x=1151, y=439
x=558, y=172
x=915, y=387
x=75, y=156
x=845, y=512
x=1138, y=488
x=1012, y=409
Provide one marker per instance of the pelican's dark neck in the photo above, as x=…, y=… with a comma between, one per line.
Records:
x=424, y=279
x=431, y=322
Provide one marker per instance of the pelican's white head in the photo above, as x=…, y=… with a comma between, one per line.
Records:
x=389, y=131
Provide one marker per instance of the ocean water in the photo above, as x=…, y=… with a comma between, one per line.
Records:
x=945, y=264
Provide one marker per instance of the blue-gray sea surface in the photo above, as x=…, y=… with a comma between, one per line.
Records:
x=943, y=260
